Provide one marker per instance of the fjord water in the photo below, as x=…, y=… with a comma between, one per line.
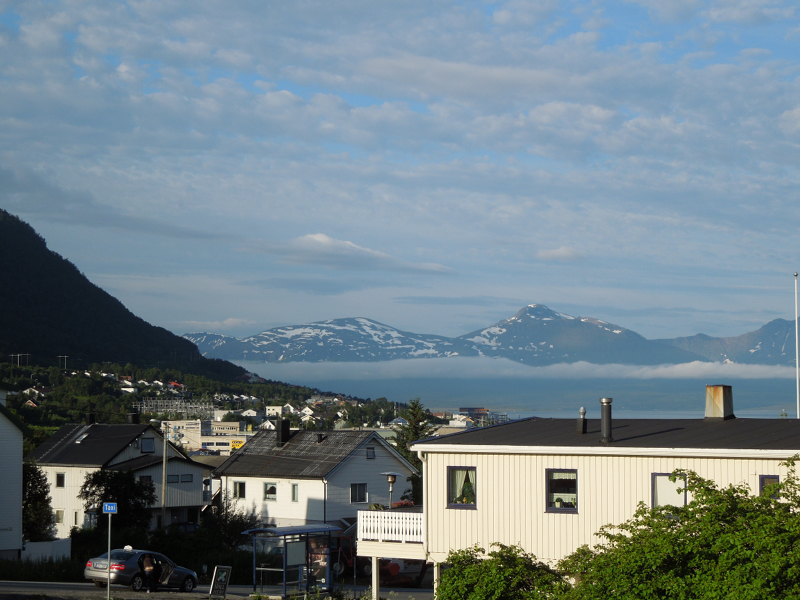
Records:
x=520, y=391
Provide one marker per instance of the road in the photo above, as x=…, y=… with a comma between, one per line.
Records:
x=26, y=590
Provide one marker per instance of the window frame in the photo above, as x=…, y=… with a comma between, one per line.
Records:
x=458, y=506
x=370, y=452
x=58, y=515
x=61, y=478
x=274, y=497
x=145, y=479
x=295, y=492
x=187, y=477
x=239, y=489
x=569, y=510
x=354, y=486
x=761, y=484
x=653, y=490
x=148, y=442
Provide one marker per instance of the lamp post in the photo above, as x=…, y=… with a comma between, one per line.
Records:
x=163, y=476
x=391, y=477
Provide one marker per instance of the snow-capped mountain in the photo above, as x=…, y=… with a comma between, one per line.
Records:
x=772, y=344
x=535, y=335
x=355, y=339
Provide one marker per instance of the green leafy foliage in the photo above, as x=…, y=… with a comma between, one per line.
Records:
x=134, y=498
x=418, y=427
x=726, y=543
x=506, y=573
x=38, y=521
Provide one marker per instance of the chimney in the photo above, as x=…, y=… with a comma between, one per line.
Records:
x=719, y=402
x=320, y=437
x=582, y=421
x=89, y=418
x=133, y=418
x=605, y=421
x=282, y=432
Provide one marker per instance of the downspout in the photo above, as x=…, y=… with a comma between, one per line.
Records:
x=325, y=501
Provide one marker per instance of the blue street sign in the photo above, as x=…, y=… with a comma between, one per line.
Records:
x=110, y=508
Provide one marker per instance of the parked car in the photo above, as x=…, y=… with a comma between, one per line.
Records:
x=126, y=570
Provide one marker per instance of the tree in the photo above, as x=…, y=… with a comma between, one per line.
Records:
x=226, y=522
x=38, y=521
x=726, y=543
x=507, y=573
x=134, y=498
x=418, y=427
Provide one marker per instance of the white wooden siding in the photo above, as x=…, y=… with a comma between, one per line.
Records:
x=510, y=497
x=11, y=476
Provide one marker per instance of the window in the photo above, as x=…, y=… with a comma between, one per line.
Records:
x=148, y=445
x=270, y=491
x=562, y=490
x=238, y=489
x=370, y=453
x=59, y=516
x=461, y=487
x=295, y=492
x=172, y=479
x=186, y=478
x=145, y=479
x=75, y=518
x=765, y=481
x=358, y=492
x=668, y=493
x=60, y=478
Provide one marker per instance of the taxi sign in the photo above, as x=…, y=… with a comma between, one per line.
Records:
x=110, y=508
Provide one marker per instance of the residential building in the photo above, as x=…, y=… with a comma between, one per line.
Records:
x=76, y=450
x=549, y=485
x=308, y=477
x=12, y=432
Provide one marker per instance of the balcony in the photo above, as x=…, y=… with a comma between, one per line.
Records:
x=391, y=533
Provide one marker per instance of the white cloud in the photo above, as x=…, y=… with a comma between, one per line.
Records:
x=564, y=253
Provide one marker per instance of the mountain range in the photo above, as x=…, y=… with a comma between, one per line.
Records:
x=536, y=335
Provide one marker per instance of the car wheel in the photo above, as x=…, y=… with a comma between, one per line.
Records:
x=367, y=568
x=338, y=568
x=99, y=583
x=137, y=583
x=187, y=585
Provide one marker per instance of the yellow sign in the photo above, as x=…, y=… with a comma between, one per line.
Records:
x=236, y=444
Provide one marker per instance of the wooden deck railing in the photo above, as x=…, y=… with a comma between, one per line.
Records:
x=391, y=526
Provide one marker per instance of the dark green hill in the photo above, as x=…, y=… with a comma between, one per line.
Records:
x=48, y=309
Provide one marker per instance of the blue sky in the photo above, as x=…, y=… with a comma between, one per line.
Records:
x=434, y=166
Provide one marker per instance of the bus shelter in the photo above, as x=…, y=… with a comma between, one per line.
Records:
x=306, y=551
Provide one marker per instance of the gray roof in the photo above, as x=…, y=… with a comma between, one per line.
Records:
x=101, y=444
x=751, y=434
x=303, y=456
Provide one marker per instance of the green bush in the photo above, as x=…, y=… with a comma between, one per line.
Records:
x=42, y=570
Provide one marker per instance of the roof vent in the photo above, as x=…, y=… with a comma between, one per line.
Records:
x=605, y=421
x=719, y=402
x=582, y=421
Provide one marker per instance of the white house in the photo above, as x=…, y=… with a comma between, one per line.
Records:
x=76, y=450
x=550, y=484
x=11, y=434
x=308, y=477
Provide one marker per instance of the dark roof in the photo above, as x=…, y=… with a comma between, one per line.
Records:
x=101, y=444
x=146, y=460
x=302, y=456
x=753, y=434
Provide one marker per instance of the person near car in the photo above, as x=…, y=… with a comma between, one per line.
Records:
x=150, y=573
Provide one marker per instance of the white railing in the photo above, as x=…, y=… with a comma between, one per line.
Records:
x=391, y=526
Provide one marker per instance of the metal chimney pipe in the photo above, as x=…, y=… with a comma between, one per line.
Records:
x=582, y=421
x=605, y=420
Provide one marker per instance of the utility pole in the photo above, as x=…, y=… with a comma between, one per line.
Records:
x=65, y=357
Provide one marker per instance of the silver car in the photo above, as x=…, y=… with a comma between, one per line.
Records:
x=126, y=569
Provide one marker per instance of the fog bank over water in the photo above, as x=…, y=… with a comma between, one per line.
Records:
x=669, y=391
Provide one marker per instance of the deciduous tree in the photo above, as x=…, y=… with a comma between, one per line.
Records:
x=38, y=521
x=134, y=498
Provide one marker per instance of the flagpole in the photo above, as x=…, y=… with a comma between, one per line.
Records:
x=796, y=347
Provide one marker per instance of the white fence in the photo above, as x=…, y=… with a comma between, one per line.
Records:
x=391, y=526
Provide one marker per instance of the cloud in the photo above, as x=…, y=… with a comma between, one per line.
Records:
x=322, y=250
x=564, y=253
x=492, y=301
x=487, y=368
x=225, y=325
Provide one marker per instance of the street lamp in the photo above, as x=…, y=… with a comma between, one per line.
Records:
x=391, y=477
x=163, y=476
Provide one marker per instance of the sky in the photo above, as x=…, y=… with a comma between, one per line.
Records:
x=435, y=166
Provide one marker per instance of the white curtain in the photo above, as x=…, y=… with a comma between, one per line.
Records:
x=457, y=483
